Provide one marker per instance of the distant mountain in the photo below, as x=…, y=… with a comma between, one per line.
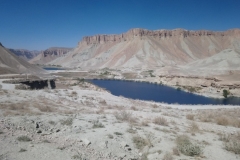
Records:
x=25, y=54
x=10, y=63
x=46, y=56
x=146, y=49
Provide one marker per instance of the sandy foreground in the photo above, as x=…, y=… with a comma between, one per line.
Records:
x=82, y=121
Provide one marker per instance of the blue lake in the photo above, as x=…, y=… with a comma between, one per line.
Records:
x=158, y=93
x=52, y=68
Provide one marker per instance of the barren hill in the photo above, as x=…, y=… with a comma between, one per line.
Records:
x=25, y=54
x=10, y=63
x=145, y=49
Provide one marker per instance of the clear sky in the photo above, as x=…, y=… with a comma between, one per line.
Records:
x=40, y=24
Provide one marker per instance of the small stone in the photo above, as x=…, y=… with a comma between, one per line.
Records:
x=106, y=144
x=37, y=125
x=39, y=131
x=128, y=148
x=57, y=130
x=124, y=144
x=86, y=142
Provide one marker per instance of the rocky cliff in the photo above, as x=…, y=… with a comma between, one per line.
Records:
x=157, y=34
x=56, y=51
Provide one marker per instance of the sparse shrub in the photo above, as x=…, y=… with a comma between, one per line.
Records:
x=110, y=136
x=134, y=108
x=222, y=120
x=192, y=89
x=160, y=121
x=46, y=141
x=185, y=146
x=118, y=133
x=190, y=116
x=124, y=116
x=130, y=130
x=81, y=80
x=67, y=122
x=224, y=137
x=144, y=123
x=45, y=109
x=178, y=89
x=159, y=151
x=144, y=156
x=100, y=111
x=233, y=146
x=103, y=102
x=194, y=127
x=22, y=150
x=80, y=157
x=24, y=139
x=74, y=93
x=139, y=142
x=225, y=93
x=236, y=123
x=175, y=151
x=52, y=122
x=168, y=156
x=97, y=124
x=61, y=148
x=231, y=142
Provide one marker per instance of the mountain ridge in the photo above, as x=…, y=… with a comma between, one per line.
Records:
x=144, y=49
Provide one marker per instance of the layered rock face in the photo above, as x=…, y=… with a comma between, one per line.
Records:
x=145, y=49
x=50, y=54
x=25, y=54
x=158, y=34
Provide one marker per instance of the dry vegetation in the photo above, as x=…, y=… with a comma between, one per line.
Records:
x=188, y=148
x=190, y=116
x=231, y=142
x=224, y=117
x=160, y=121
x=125, y=116
x=140, y=142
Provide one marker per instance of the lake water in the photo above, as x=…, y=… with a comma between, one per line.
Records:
x=49, y=68
x=158, y=93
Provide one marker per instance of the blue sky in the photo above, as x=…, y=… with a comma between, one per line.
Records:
x=40, y=24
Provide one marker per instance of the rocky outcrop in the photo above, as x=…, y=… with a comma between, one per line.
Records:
x=158, y=34
x=50, y=54
x=55, y=51
x=25, y=54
